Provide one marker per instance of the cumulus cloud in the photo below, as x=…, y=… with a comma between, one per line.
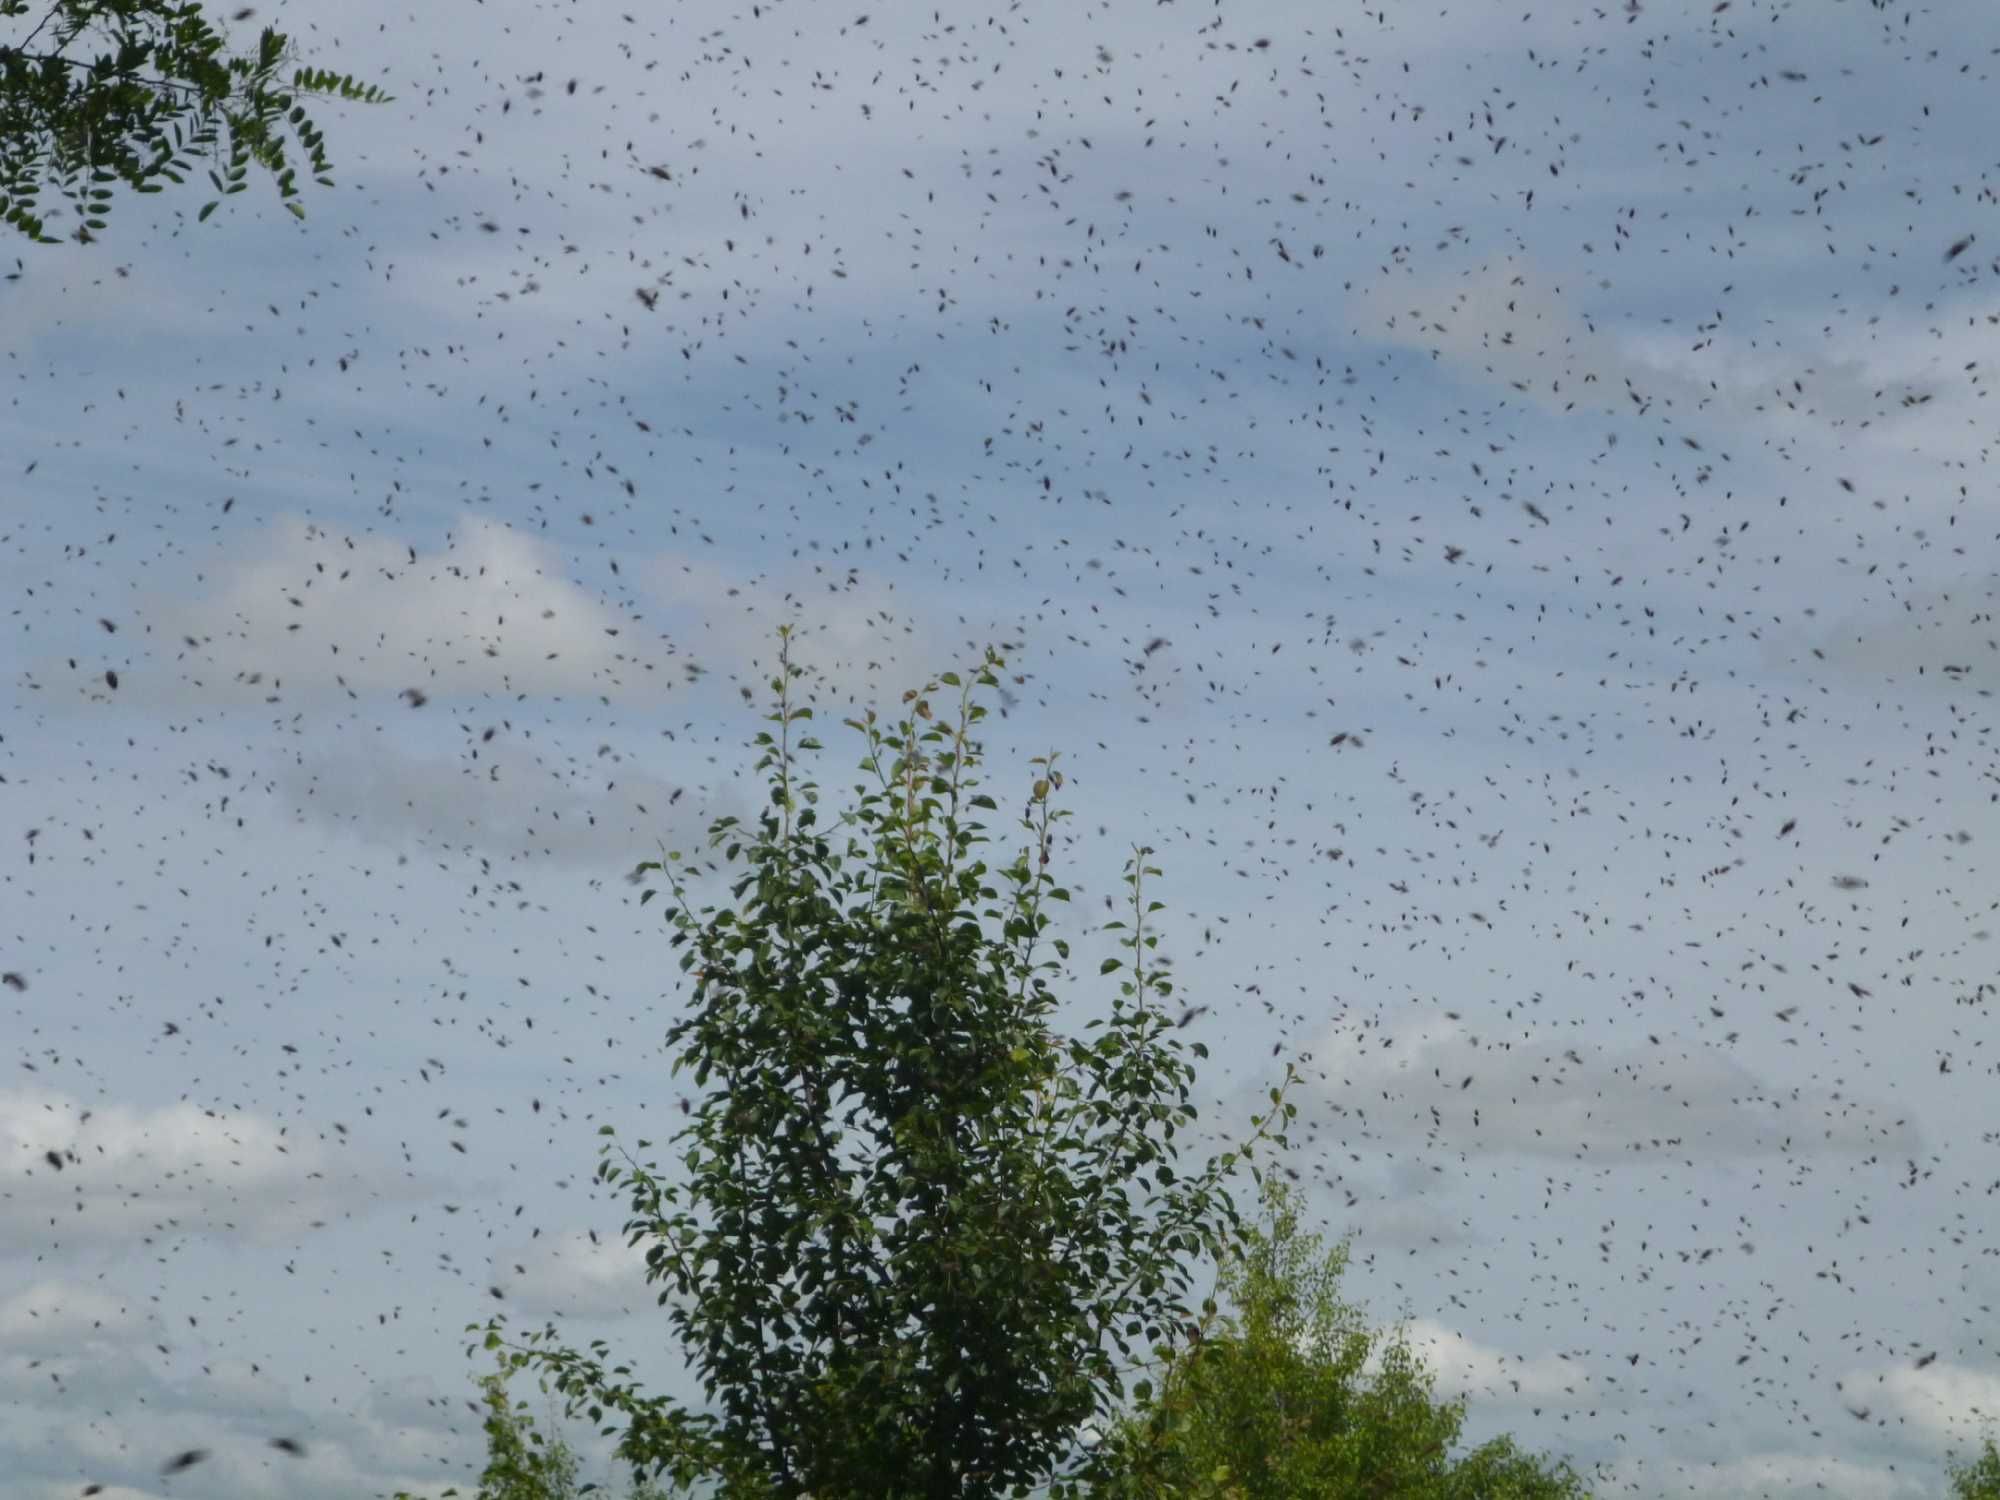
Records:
x=572, y=1276
x=1466, y=1367
x=129, y=1174
x=316, y=614
x=1440, y=1082
x=1952, y=1403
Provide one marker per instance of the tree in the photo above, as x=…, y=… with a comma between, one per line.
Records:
x=523, y=1463
x=159, y=92
x=1279, y=1401
x=919, y=1232
x=1979, y=1479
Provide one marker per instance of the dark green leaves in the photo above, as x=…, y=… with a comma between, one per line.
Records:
x=119, y=117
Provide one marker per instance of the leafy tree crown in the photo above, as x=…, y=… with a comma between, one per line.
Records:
x=920, y=1235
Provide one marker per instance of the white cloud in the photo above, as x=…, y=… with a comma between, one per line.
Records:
x=1953, y=1403
x=572, y=1276
x=53, y=1317
x=137, y=1174
x=314, y=616
x=1468, y=1368
x=320, y=615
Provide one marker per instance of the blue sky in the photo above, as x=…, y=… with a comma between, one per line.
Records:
x=1577, y=410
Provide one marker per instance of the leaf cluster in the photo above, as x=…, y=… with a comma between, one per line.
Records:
x=153, y=89
x=523, y=1462
x=1292, y=1396
x=1977, y=1478
x=919, y=1236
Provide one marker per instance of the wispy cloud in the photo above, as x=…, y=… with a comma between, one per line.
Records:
x=1443, y=1083
x=502, y=799
x=60, y=1392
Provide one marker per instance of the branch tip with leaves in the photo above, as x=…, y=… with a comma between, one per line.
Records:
x=156, y=92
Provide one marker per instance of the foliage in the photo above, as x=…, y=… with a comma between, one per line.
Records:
x=1978, y=1479
x=523, y=1463
x=920, y=1232
x=159, y=91
x=1294, y=1397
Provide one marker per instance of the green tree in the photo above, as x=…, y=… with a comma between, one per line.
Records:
x=1978, y=1479
x=920, y=1233
x=1292, y=1397
x=525, y=1463
x=522, y=1463
x=155, y=91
